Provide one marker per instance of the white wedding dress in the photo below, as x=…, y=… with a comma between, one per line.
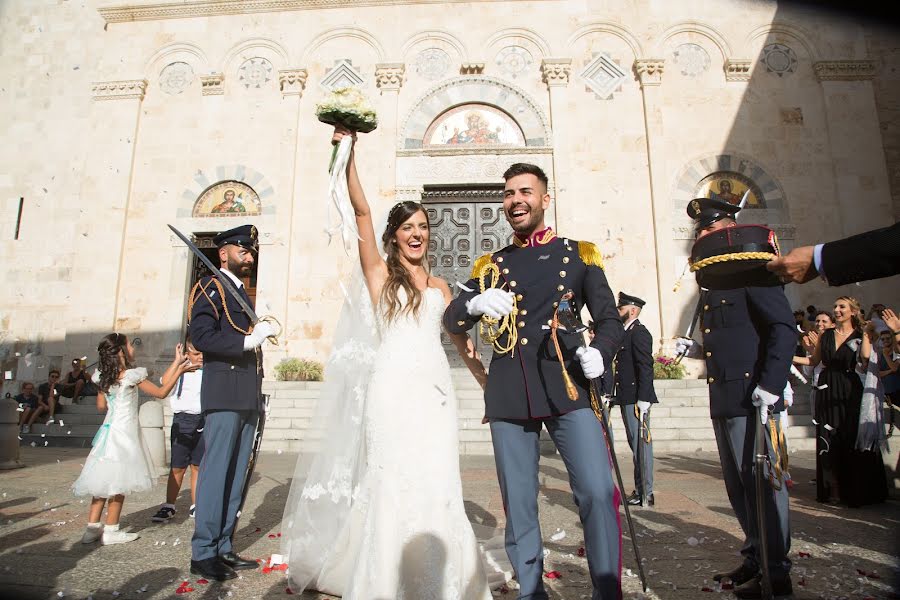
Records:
x=401, y=530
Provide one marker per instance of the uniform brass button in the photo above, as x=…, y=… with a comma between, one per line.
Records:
x=555, y=304
x=747, y=375
x=506, y=271
x=499, y=259
x=512, y=284
x=460, y=323
x=523, y=312
x=232, y=367
x=521, y=323
x=560, y=288
x=706, y=331
x=565, y=260
x=708, y=354
x=524, y=341
x=706, y=307
x=711, y=380
x=519, y=297
x=723, y=302
x=550, y=322
x=562, y=273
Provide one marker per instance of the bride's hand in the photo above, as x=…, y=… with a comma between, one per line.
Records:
x=341, y=131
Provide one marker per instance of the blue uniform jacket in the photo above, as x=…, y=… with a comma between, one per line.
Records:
x=528, y=383
x=634, y=367
x=232, y=377
x=748, y=340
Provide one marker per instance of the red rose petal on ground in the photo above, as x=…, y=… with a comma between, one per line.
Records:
x=553, y=575
x=804, y=554
x=281, y=567
x=257, y=530
x=267, y=570
x=279, y=534
x=504, y=589
x=184, y=589
x=802, y=581
x=706, y=589
x=288, y=591
x=203, y=581
x=272, y=536
x=581, y=551
x=728, y=585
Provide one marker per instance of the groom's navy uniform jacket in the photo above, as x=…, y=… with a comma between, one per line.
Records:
x=527, y=383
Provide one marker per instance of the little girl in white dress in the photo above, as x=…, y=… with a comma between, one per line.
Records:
x=118, y=463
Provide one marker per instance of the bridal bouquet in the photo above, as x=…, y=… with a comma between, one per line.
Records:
x=347, y=107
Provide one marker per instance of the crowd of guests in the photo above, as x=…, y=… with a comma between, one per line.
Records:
x=46, y=403
x=852, y=359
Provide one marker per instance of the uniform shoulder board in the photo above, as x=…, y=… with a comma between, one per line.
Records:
x=590, y=254
x=479, y=264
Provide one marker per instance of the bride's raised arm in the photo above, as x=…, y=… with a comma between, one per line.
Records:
x=373, y=266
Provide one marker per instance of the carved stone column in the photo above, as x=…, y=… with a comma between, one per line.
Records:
x=650, y=72
x=106, y=188
x=555, y=73
x=389, y=78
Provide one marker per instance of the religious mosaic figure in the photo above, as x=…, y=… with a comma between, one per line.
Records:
x=229, y=204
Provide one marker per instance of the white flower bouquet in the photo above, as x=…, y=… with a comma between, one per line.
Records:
x=347, y=107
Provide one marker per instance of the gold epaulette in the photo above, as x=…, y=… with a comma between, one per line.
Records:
x=479, y=264
x=590, y=254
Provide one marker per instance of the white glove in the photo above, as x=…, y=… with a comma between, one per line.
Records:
x=591, y=361
x=260, y=332
x=788, y=394
x=684, y=345
x=494, y=303
x=763, y=400
x=643, y=407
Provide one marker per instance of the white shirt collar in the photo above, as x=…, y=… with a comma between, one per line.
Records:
x=630, y=323
x=233, y=278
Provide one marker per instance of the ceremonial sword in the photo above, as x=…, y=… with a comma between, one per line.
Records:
x=570, y=321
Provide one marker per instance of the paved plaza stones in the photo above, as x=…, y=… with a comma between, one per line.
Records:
x=837, y=552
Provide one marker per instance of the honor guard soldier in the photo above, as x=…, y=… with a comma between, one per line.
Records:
x=634, y=394
x=526, y=390
x=748, y=343
x=230, y=398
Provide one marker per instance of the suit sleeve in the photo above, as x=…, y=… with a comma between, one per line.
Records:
x=869, y=255
x=207, y=334
x=608, y=331
x=642, y=354
x=772, y=310
x=456, y=317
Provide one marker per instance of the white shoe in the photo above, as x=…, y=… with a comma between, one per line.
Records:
x=92, y=534
x=118, y=537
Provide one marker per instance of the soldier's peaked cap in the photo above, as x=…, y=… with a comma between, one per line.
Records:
x=706, y=211
x=245, y=236
x=626, y=299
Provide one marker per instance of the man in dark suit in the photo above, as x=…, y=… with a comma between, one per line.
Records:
x=526, y=387
x=634, y=394
x=870, y=255
x=230, y=398
x=748, y=343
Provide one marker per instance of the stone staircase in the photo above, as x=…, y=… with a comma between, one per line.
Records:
x=680, y=422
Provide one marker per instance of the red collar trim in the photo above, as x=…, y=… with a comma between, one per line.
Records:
x=538, y=238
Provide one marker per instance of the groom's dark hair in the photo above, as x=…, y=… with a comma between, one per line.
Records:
x=526, y=168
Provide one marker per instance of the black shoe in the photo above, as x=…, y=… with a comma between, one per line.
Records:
x=236, y=562
x=781, y=588
x=212, y=568
x=739, y=576
x=635, y=500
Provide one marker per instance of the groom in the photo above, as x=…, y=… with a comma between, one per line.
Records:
x=526, y=390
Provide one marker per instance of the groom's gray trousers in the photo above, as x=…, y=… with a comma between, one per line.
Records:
x=579, y=438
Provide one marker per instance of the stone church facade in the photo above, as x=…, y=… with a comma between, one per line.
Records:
x=121, y=118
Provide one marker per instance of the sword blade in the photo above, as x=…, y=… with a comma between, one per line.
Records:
x=217, y=273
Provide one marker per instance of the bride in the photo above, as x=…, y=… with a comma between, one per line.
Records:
x=379, y=514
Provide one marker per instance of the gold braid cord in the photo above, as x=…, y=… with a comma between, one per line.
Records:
x=492, y=329
x=571, y=390
x=194, y=297
x=705, y=262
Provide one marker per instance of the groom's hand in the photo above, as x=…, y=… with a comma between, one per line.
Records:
x=493, y=302
x=591, y=361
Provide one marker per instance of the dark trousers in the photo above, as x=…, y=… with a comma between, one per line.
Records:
x=735, y=439
x=579, y=438
x=228, y=440
x=644, y=467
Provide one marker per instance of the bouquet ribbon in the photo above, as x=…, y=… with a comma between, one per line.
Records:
x=341, y=218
